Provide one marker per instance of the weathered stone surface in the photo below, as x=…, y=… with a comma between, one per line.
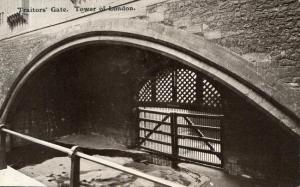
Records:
x=15, y=57
x=248, y=27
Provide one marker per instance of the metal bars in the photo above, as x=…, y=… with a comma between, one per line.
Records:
x=188, y=137
x=75, y=167
x=2, y=149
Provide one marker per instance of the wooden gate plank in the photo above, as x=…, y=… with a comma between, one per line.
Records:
x=199, y=134
x=155, y=128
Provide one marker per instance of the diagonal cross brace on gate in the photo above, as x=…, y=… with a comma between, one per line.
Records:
x=155, y=128
x=199, y=133
x=170, y=143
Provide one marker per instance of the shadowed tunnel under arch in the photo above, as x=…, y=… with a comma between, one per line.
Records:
x=247, y=90
x=91, y=88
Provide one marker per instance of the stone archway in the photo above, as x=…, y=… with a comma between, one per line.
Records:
x=201, y=62
x=217, y=63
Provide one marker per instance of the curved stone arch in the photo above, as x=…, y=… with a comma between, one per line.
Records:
x=211, y=60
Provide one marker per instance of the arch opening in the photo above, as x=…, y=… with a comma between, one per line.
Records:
x=82, y=90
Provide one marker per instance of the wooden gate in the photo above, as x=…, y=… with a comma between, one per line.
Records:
x=180, y=117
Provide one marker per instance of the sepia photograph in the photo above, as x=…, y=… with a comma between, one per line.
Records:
x=150, y=93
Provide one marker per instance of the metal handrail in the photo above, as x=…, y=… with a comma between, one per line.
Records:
x=38, y=141
x=72, y=152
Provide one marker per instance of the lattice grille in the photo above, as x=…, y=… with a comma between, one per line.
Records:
x=186, y=86
x=182, y=87
x=211, y=96
x=145, y=93
x=164, y=87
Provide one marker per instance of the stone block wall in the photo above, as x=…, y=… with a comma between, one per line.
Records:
x=266, y=33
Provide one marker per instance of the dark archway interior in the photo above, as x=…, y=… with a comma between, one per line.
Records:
x=83, y=88
x=93, y=89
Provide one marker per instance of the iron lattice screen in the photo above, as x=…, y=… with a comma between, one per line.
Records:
x=181, y=87
x=164, y=87
x=211, y=96
x=145, y=93
x=186, y=86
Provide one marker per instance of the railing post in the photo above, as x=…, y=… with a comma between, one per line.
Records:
x=137, y=140
x=75, y=168
x=174, y=140
x=3, y=164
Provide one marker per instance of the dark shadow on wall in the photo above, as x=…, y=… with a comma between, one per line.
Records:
x=85, y=90
x=255, y=145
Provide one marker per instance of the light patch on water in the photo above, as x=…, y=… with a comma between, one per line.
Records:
x=57, y=170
